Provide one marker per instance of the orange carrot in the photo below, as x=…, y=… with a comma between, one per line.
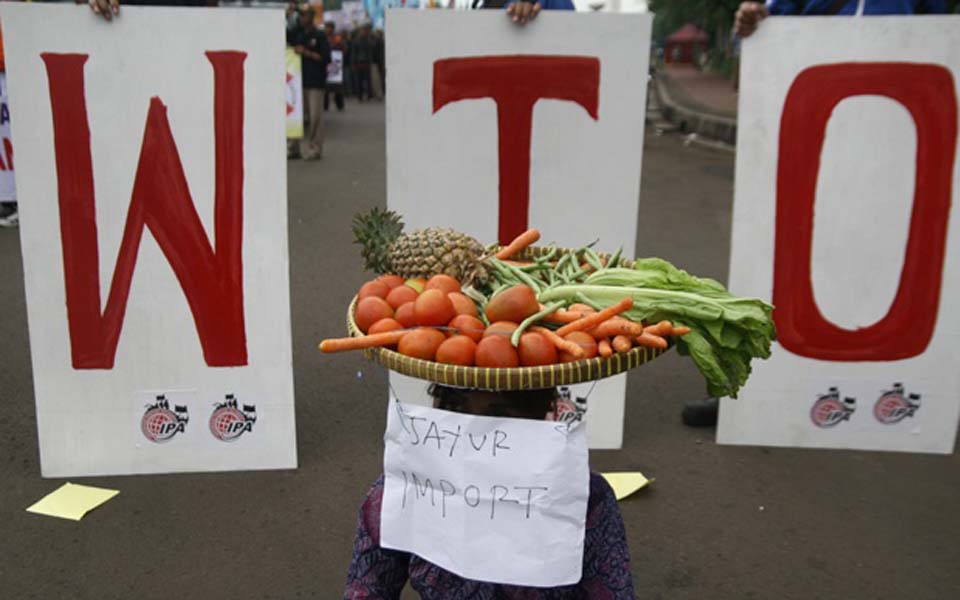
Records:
x=563, y=317
x=616, y=326
x=604, y=348
x=622, y=344
x=523, y=240
x=680, y=331
x=387, y=338
x=662, y=328
x=651, y=340
x=590, y=321
x=560, y=343
x=582, y=308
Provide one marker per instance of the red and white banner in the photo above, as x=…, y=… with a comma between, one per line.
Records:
x=493, y=128
x=845, y=210
x=154, y=236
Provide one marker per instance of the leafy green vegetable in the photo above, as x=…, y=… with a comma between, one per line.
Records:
x=727, y=332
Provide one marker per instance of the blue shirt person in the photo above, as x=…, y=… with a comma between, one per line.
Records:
x=750, y=14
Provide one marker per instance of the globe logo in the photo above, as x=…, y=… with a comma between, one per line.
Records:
x=228, y=423
x=159, y=424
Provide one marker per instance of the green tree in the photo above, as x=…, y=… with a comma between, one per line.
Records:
x=713, y=16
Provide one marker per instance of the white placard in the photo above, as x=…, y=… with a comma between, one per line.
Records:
x=335, y=68
x=846, y=172
x=492, y=499
x=584, y=172
x=85, y=199
x=8, y=191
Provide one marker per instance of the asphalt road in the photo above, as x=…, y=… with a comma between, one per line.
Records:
x=719, y=522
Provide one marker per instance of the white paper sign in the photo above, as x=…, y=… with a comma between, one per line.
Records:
x=335, y=68
x=452, y=162
x=846, y=220
x=154, y=235
x=8, y=192
x=491, y=499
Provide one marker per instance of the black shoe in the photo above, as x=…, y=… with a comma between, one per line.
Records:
x=701, y=413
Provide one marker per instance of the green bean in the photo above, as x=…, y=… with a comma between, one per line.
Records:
x=553, y=306
x=593, y=259
x=615, y=259
x=546, y=258
x=524, y=278
x=506, y=275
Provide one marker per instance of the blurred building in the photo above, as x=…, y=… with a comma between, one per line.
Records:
x=685, y=45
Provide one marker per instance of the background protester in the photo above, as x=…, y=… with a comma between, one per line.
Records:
x=361, y=59
x=336, y=44
x=311, y=44
x=379, y=78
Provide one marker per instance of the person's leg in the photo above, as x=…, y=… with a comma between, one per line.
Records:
x=701, y=413
x=315, y=102
x=339, y=99
x=367, y=82
x=308, y=119
x=9, y=217
x=326, y=100
x=376, y=92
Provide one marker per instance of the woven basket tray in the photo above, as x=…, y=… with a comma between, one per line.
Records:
x=520, y=378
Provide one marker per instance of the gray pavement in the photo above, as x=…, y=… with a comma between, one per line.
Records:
x=719, y=522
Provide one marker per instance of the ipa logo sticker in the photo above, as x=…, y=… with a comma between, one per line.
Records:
x=829, y=410
x=159, y=424
x=895, y=405
x=228, y=423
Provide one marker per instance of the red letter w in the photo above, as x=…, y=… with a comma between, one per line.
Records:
x=211, y=278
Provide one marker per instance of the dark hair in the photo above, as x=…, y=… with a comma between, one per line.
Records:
x=529, y=404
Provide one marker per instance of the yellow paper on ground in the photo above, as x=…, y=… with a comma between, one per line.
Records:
x=72, y=501
x=624, y=484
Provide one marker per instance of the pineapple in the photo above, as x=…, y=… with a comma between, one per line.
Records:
x=423, y=253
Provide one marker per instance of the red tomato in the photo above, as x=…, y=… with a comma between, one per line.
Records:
x=471, y=327
x=458, y=350
x=392, y=281
x=373, y=288
x=370, y=310
x=405, y=316
x=496, y=351
x=421, y=343
x=535, y=349
x=433, y=308
x=444, y=283
x=400, y=295
x=463, y=304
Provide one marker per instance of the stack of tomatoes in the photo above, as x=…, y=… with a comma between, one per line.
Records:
x=444, y=325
